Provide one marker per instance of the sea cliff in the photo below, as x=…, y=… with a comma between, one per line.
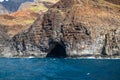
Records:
x=70, y=28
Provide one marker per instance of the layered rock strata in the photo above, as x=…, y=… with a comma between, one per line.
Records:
x=74, y=28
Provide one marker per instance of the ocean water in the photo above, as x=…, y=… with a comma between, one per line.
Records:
x=59, y=69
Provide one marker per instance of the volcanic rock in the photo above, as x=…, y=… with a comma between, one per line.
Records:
x=79, y=28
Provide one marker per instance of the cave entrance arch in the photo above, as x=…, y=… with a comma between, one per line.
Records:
x=59, y=51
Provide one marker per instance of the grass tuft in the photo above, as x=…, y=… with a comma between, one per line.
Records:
x=39, y=7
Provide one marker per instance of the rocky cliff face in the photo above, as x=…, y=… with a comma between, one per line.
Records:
x=4, y=44
x=74, y=28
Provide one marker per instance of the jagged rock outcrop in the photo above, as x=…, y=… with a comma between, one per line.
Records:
x=3, y=10
x=112, y=43
x=74, y=28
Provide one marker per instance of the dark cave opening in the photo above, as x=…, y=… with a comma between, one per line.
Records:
x=59, y=51
x=103, y=51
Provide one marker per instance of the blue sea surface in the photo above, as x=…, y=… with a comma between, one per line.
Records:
x=59, y=69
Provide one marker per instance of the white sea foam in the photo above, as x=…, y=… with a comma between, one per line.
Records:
x=93, y=58
x=31, y=57
x=88, y=74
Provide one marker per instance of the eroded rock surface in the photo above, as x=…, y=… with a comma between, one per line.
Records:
x=79, y=28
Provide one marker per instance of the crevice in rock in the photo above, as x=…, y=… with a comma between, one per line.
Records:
x=23, y=46
x=104, y=51
x=104, y=47
x=59, y=51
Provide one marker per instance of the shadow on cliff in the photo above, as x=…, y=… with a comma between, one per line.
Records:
x=59, y=51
